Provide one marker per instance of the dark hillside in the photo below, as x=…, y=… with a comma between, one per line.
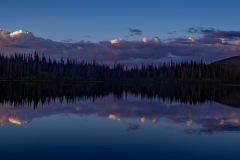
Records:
x=229, y=61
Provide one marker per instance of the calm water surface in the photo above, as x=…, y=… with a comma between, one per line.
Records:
x=152, y=122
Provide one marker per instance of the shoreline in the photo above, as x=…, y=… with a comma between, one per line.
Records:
x=132, y=82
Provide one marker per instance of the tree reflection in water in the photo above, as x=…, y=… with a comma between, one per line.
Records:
x=214, y=107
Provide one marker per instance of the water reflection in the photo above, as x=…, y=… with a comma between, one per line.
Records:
x=204, y=108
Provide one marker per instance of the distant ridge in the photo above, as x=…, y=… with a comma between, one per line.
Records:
x=229, y=61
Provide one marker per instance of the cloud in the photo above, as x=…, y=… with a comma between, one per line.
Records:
x=21, y=35
x=213, y=45
x=214, y=33
x=135, y=31
x=220, y=34
x=67, y=41
x=209, y=40
x=170, y=32
x=115, y=41
x=133, y=127
x=192, y=30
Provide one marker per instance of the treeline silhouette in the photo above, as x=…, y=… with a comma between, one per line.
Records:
x=34, y=94
x=34, y=67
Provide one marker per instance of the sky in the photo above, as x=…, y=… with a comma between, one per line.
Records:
x=63, y=28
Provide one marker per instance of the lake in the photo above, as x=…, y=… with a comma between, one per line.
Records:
x=119, y=121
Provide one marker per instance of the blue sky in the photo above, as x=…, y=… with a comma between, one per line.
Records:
x=109, y=19
x=184, y=29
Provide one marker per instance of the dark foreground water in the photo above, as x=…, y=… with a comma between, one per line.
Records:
x=107, y=121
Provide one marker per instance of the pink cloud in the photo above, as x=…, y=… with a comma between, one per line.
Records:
x=132, y=52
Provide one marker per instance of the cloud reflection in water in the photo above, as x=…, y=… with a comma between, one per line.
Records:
x=211, y=116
